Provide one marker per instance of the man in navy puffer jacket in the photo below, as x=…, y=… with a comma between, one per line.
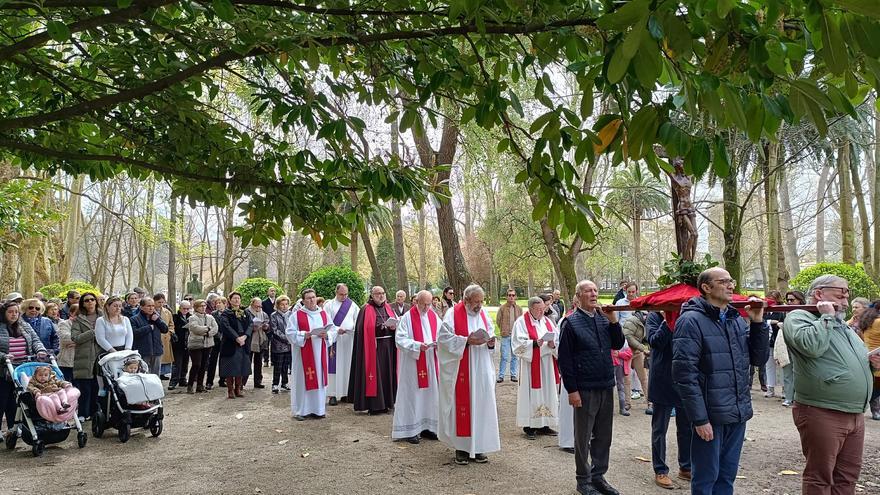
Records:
x=712, y=348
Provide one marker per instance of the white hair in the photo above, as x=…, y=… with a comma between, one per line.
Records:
x=822, y=281
x=472, y=290
x=400, y=292
x=579, y=288
x=535, y=300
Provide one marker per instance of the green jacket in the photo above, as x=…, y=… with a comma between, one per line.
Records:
x=86, y=351
x=830, y=363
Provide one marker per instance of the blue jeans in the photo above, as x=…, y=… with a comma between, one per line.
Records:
x=683, y=434
x=506, y=358
x=714, y=464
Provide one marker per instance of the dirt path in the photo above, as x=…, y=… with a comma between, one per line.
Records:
x=205, y=448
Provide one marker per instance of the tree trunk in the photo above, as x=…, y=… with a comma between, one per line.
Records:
x=637, y=248
x=399, y=258
x=70, y=226
x=453, y=260
x=864, y=221
x=875, y=196
x=28, y=257
x=820, y=209
x=847, y=227
x=8, y=277
x=228, y=247
x=171, y=297
x=423, y=258
x=354, y=251
x=789, y=235
x=732, y=233
x=371, y=256
x=770, y=189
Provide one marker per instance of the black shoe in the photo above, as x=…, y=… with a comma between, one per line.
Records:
x=222, y=384
x=259, y=385
x=333, y=401
x=587, y=489
x=499, y=379
x=285, y=387
x=569, y=450
x=481, y=458
x=164, y=377
x=413, y=440
x=171, y=386
x=550, y=432
x=209, y=387
x=430, y=435
x=530, y=433
x=378, y=412
x=603, y=487
x=513, y=379
x=461, y=458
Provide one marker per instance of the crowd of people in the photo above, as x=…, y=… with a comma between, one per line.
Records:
x=428, y=361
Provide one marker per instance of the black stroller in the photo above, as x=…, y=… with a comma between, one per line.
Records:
x=127, y=400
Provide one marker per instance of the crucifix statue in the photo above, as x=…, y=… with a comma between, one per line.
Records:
x=684, y=214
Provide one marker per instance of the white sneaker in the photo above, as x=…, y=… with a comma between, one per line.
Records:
x=635, y=395
x=770, y=393
x=274, y=389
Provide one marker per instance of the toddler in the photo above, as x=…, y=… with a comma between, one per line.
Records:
x=132, y=365
x=56, y=399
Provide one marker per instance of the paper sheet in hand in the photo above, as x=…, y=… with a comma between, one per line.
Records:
x=481, y=334
x=549, y=337
x=325, y=328
x=875, y=352
x=392, y=323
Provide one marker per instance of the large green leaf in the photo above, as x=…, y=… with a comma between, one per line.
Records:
x=870, y=8
x=833, y=50
x=624, y=17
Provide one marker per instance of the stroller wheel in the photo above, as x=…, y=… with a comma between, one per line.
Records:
x=98, y=424
x=38, y=449
x=156, y=427
x=124, y=432
x=81, y=439
x=11, y=439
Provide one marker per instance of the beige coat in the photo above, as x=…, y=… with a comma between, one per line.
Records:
x=505, y=320
x=167, y=354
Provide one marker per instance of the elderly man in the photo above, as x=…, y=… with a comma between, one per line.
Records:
x=588, y=336
x=344, y=313
x=400, y=306
x=558, y=303
x=712, y=348
x=309, y=357
x=507, y=315
x=415, y=415
x=373, y=382
x=468, y=416
x=148, y=328
x=832, y=384
x=534, y=343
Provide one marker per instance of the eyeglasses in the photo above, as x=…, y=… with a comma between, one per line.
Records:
x=89, y=300
x=790, y=299
x=33, y=307
x=726, y=281
x=843, y=290
x=187, y=299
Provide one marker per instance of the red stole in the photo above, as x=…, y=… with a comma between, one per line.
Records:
x=370, y=346
x=536, y=352
x=463, y=380
x=308, y=356
x=418, y=336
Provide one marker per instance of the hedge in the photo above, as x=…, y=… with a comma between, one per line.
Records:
x=256, y=287
x=59, y=290
x=324, y=281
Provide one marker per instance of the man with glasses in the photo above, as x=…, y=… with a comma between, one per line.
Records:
x=507, y=315
x=832, y=386
x=72, y=298
x=712, y=348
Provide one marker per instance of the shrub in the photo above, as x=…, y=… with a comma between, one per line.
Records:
x=679, y=271
x=324, y=281
x=59, y=290
x=256, y=287
x=860, y=285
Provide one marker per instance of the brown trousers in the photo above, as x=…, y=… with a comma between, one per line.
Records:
x=832, y=442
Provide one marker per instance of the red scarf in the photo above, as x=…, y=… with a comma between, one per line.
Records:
x=463, y=381
x=536, y=352
x=370, y=346
x=308, y=357
x=418, y=336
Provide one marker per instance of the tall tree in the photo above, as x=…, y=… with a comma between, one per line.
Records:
x=864, y=220
x=821, y=195
x=173, y=232
x=789, y=234
x=397, y=222
x=847, y=224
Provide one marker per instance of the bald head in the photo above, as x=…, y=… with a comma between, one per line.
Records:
x=423, y=301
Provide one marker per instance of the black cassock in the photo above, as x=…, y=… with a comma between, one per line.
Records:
x=386, y=365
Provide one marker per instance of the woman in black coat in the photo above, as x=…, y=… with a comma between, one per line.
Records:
x=235, y=363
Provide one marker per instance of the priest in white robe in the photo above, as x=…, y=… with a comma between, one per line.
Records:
x=416, y=405
x=468, y=416
x=534, y=339
x=308, y=367
x=343, y=312
x=566, y=411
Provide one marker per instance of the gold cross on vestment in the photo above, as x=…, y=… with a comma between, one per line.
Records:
x=423, y=374
x=310, y=372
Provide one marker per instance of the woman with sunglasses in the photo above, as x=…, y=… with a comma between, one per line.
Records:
x=33, y=316
x=17, y=340
x=82, y=332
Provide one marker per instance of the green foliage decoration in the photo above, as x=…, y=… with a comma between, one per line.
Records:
x=256, y=287
x=679, y=271
x=324, y=281
x=860, y=284
x=59, y=290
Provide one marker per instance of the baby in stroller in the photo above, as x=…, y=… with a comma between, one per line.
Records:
x=132, y=365
x=56, y=399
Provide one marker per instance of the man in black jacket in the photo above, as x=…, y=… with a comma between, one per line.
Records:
x=712, y=348
x=179, y=346
x=588, y=335
x=148, y=328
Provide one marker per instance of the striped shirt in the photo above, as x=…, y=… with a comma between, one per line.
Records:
x=17, y=347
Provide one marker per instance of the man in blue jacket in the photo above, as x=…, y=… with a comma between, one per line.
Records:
x=712, y=348
x=588, y=335
x=148, y=328
x=662, y=392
